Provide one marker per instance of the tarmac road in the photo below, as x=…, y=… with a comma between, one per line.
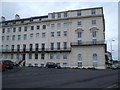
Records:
x=33, y=77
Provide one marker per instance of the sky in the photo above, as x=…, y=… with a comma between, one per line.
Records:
x=32, y=9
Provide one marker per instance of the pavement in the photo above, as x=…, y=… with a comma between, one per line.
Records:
x=34, y=77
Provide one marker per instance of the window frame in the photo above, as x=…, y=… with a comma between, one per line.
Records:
x=65, y=14
x=79, y=13
x=43, y=35
x=79, y=23
x=13, y=37
x=31, y=35
x=59, y=15
x=19, y=29
x=52, y=34
x=3, y=30
x=14, y=29
x=65, y=55
x=53, y=15
x=32, y=27
x=44, y=27
x=65, y=33
x=30, y=55
x=42, y=56
x=58, y=33
x=94, y=22
x=8, y=38
x=25, y=28
x=94, y=34
x=36, y=55
x=38, y=27
x=93, y=12
x=79, y=34
x=79, y=57
x=58, y=55
x=25, y=37
x=51, y=55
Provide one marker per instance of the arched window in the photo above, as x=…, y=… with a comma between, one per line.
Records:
x=94, y=57
x=79, y=57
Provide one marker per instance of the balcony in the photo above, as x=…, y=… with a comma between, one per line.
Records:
x=58, y=49
x=89, y=43
x=37, y=50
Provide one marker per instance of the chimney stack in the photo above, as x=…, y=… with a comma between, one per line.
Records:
x=2, y=19
x=17, y=16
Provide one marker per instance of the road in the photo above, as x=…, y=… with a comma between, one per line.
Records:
x=34, y=77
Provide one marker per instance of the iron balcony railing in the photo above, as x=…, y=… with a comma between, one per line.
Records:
x=58, y=49
x=87, y=43
x=36, y=50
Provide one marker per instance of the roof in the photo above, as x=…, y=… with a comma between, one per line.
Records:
x=37, y=17
x=79, y=10
x=46, y=16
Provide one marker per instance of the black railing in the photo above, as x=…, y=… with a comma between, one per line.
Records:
x=87, y=43
x=58, y=49
x=36, y=50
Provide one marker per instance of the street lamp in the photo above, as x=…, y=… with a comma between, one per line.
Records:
x=111, y=46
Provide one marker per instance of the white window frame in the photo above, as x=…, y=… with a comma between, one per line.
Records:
x=65, y=33
x=57, y=55
x=58, y=33
x=65, y=55
x=25, y=36
x=52, y=34
x=93, y=12
x=30, y=55
x=51, y=55
x=79, y=57
x=43, y=35
x=94, y=22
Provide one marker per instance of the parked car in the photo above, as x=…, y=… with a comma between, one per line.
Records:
x=52, y=65
x=118, y=67
x=8, y=64
x=2, y=66
x=113, y=67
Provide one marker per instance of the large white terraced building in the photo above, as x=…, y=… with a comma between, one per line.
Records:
x=73, y=38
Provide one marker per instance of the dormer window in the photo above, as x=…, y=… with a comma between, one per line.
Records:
x=6, y=23
x=31, y=20
x=59, y=15
x=53, y=15
x=22, y=21
x=78, y=13
x=93, y=11
x=65, y=14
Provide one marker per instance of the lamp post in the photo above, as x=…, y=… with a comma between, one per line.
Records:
x=111, y=46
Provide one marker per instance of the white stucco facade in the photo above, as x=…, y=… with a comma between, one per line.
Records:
x=57, y=37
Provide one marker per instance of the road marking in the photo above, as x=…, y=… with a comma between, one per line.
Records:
x=113, y=86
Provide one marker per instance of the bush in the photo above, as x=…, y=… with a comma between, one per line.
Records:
x=91, y=68
x=83, y=68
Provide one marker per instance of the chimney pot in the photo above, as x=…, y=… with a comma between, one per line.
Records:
x=17, y=16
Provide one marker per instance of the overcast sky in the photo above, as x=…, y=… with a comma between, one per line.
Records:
x=31, y=9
